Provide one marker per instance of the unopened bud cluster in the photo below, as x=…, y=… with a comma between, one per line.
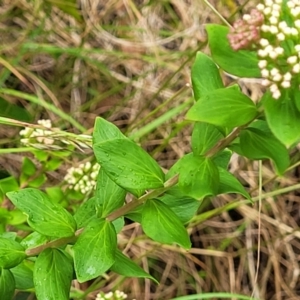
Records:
x=82, y=178
x=32, y=136
x=117, y=295
x=277, y=43
x=246, y=32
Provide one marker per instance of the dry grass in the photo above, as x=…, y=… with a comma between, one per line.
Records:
x=129, y=61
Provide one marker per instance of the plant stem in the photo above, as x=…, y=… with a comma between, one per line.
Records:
x=53, y=244
x=223, y=143
x=135, y=203
x=114, y=215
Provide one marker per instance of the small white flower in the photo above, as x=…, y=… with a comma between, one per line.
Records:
x=296, y=68
x=262, y=53
x=274, y=29
x=264, y=42
x=281, y=36
x=292, y=60
x=265, y=82
x=287, y=76
x=265, y=73
x=273, y=20
x=276, y=95
x=260, y=7
x=262, y=64
x=277, y=77
x=274, y=71
x=286, y=84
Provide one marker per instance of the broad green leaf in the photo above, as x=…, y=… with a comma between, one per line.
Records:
x=16, y=217
x=44, y=216
x=205, y=76
x=13, y=111
x=161, y=224
x=7, y=284
x=126, y=267
x=230, y=184
x=183, y=206
x=223, y=107
x=255, y=144
x=204, y=137
x=128, y=165
x=8, y=184
x=69, y=7
x=28, y=168
x=242, y=63
x=109, y=196
x=296, y=97
x=105, y=131
x=136, y=214
x=53, y=273
x=56, y=194
x=11, y=253
x=198, y=176
x=34, y=239
x=85, y=213
x=118, y=224
x=94, y=251
x=283, y=118
x=23, y=276
x=222, y=159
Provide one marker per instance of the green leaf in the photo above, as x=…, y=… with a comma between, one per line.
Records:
x=222, y=159
x=94, y=251
x=8, y=184
x=28, y=168
x=255, y=144
x=242, y=63
x=16, y=217
x=283, y=118
x=205, y=76
x=204, y=137
x=55, y=193
x=23, y=276
x=223, y=107
x=126, y=267
x=198, y=176
x=7, y=284
x=11, y=253
x=109, y=196
x=105, y=131
x=85, y=213
x=118, y=224
x=53, y=273
x=13, y=111
x=128, y=165
x=230, y=184
x=44, y=216
x=161, y=224
x=67, y=6
x=136, y=214
x=183, y=206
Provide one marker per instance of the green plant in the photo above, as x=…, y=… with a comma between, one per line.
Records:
x=225, y=121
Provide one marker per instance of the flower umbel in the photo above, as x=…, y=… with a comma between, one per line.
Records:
x=117, y=295
x=42, y=136
x=276, y=40
x=83, y=178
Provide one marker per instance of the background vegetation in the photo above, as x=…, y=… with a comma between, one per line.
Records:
x=129, y=62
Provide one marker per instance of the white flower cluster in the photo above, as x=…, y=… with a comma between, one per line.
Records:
x=117, y=295
x=279, y=51
x=31, y=136
x=83, y=178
